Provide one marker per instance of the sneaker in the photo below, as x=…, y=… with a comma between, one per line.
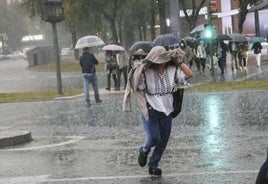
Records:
x=142, y=159
x=155, y=171
x=88, y=104
x=99, y=101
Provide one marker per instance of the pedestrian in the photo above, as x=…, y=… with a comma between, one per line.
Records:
x=243, y=55
x=88, y=62
x=152, y=83
x=188, y=52
x=188, y=55
x=262, y=177
x=136, y=58
x=111, y=68
x=257, y=47
x=232, y=46
x=122, y=61
x=201, y=56
x=222, y=50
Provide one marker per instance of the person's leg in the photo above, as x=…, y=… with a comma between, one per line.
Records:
x=86, y=88
x=197, y=62
x=258, y=58
x=108, y=80
x=191, y=64
x=152, y=133
x=94, y=83
x=203, y=63
x=125, y=73
x=118, y=85
x=114, y=75
x=236, y=60
x=220, y=63
x=164, y=127
x=233, y=61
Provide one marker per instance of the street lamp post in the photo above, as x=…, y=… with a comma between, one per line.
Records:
x=212, y=8
x=52, y=12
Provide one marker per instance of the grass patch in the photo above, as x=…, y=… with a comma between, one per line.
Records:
x=230, y=86
x=210, y=87
x=37, y=95
x=68, y=64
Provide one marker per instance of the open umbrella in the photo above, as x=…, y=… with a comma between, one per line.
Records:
x=223, y=37
x=237, y=37
x=89, y=41
x=190, y=41
x=166, y=40
x=146, y=46
x=113, y=47
x=258, y=39
x=198, y=29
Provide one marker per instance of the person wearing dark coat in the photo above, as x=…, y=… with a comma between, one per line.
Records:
x=87, y=63
x=222, y=53
x=257, y=47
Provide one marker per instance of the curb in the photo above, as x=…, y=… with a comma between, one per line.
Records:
x=11, y=138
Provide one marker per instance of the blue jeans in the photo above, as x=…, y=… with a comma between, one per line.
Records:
x=157, y=129
x=90, y=78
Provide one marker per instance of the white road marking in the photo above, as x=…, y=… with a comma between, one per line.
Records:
x=73, y=139
x=45, y=178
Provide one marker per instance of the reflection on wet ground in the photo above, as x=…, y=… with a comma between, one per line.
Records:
x=217, y=138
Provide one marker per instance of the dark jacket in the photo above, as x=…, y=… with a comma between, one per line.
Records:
x=88, y=62
x=256, y=47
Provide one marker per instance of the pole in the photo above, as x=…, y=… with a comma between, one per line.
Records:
x=211, y=50
x=56, y=51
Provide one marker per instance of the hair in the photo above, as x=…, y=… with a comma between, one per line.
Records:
x=86, y=49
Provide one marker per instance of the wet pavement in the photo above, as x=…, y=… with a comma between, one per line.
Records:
x=217, y=138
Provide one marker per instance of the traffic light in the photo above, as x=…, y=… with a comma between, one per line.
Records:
x=209, y=32
x=213, y=9
x=52, y=10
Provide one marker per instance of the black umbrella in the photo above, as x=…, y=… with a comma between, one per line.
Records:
x=190, y=41
x=166, y=40
x=146, y=46
x=223, y=37
x=237, y=37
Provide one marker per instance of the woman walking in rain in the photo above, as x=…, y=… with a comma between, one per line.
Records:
x=152, y=83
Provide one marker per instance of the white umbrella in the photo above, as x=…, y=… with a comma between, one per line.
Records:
x=89, y=41
x=113, y=47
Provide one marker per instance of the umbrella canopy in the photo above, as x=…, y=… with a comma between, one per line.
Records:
x=190, y=41
x=166, y=40
x=237, y=37
x=198, y=29
x=223, y=37
x=258, y=39
x=89, y=41
x=113, y=47
x=146, y=46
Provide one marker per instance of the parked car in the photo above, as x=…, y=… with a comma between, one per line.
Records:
x=3, y=57
x=15, y=55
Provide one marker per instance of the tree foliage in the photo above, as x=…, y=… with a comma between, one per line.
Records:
x=191, y=10
x=13, y=24
x=243, y=11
